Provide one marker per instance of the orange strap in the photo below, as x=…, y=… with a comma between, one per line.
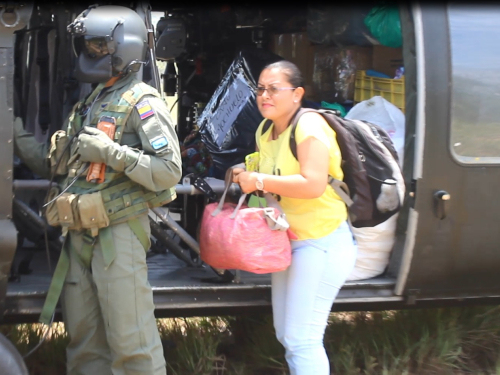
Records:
x=112, y=81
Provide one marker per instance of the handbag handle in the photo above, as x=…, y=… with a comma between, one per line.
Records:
x=228, y=180
x=270, y=202
x=278, y=223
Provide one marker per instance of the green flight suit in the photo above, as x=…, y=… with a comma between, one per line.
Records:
x=108, y=307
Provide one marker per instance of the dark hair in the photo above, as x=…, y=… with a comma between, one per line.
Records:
x=290, y=70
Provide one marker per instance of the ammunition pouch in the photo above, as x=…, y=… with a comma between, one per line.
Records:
x=92, y=212
x=67, y=211
x=51, y=213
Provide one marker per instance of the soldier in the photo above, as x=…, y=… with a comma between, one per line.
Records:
x=106, y=299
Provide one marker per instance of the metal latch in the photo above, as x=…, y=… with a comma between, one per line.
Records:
x=441, y=199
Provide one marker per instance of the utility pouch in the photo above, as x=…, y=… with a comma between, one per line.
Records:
x=74, y=162
x=63, y=211
x=92, y=212
x=51, y=213
x=67, y=211
x=59, y=150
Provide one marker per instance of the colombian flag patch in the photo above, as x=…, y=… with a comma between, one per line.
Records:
x=144, y=109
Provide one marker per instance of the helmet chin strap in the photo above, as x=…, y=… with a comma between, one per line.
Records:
x=129, y=69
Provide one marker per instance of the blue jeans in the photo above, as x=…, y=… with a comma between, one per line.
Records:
x=303, y=295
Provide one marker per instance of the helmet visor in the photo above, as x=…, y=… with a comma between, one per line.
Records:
x=92, y=46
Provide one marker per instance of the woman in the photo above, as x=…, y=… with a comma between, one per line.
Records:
x=324, y=253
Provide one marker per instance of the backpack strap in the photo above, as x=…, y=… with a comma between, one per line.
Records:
x=295, y=122
x=266, y=126
x=342, y=190
x=338, y=186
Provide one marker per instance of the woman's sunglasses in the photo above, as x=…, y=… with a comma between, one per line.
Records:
x=272, y=91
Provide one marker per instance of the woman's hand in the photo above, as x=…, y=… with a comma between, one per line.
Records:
x=236, y=172
x=245, y=179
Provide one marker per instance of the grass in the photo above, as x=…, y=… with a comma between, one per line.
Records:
x=196, y=343
x=426, y=341
x=49, y=358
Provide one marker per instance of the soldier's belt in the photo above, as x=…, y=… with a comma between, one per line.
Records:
x=102, y=208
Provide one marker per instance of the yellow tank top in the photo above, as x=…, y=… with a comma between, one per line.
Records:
x=308, y=218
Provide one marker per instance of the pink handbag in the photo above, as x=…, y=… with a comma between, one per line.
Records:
x=253, y=239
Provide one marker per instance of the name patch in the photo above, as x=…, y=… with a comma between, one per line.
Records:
x=144, y=109
x=159, y=142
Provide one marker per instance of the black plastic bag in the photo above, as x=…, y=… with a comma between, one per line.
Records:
x=339, y=26
x=231, y=117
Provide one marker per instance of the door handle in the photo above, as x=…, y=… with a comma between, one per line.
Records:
x=441, y=199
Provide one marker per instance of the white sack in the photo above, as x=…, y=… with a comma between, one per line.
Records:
x=383, y=113
x=374, y=248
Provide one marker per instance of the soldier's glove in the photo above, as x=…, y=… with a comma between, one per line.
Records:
x=96, y=147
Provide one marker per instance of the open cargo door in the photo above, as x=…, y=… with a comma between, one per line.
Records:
x=12, y=18
x=453, y=239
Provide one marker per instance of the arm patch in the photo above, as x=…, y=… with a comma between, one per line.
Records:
x=159, y=142
x=144, y=109
x=156, y=138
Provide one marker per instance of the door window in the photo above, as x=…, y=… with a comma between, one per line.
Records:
x=475, y=66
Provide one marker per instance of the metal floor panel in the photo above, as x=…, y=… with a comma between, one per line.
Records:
x=181, y=290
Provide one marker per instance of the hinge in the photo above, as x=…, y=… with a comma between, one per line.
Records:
x=412, y=296
x=413, y=192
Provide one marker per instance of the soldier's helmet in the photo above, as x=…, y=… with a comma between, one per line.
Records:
x=108, y=40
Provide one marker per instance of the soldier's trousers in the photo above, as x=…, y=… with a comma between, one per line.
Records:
x=109, y=313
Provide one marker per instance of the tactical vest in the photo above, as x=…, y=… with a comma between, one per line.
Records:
x=123, y=198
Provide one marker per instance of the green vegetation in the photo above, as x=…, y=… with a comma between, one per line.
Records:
x=49, y=358
x=425, y=341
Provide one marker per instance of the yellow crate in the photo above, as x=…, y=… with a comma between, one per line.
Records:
x=392, y=90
